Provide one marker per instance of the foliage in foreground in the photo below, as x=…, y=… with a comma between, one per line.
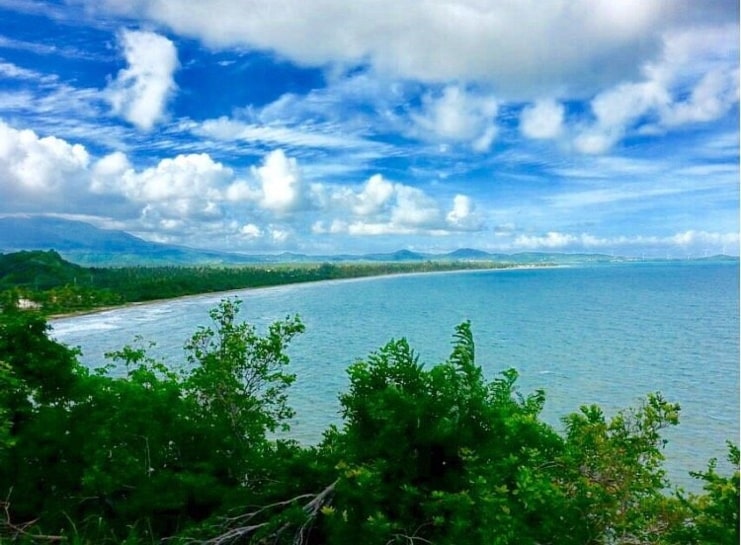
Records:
x=423, y=455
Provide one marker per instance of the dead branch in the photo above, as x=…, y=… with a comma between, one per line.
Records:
x=14, y=531
x=312, y=510
x=241, y=526
x=410, y=539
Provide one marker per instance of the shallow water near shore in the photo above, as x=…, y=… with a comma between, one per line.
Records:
x=605, y=334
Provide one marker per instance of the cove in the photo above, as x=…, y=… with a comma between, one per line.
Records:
x=605, y=334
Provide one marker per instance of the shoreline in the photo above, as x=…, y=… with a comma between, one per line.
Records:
x=100, y=310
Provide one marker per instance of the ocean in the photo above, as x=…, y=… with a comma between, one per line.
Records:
x=606, y=334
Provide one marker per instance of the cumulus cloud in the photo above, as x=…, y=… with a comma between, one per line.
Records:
x=281, y=183
x=193, y=176
x=375, y=195
x=360, y=228
x=523, y=49
x=194, y=187
x=414, y=208
x=463, y=215
x=457, y=115
x=728, y=241
x=140, y=92
x=382, y=207
x=186, y=187
x=38, y=172
x=108, y=171
x=251, y=230
x=278, y=235
x=242, y=191
x=551, y=240
x=543, y=119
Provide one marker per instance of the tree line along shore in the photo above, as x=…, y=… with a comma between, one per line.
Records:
x=44, y=281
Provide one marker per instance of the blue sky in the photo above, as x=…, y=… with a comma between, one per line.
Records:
x=328, y=126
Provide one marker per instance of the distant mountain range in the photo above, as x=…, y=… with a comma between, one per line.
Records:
x=85, y=244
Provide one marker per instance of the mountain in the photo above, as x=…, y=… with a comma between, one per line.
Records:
x=86, y=244
x=468, y=253
x=37, y=233
x=401, y=255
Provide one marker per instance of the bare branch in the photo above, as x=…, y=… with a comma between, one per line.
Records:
x=17, y=530
x=241, y=527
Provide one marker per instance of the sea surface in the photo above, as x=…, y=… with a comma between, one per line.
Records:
x=605, y=334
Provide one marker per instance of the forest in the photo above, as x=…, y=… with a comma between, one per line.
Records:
x=424, y=454
x=56, y=286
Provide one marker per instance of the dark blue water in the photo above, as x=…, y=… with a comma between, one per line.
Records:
x=600, y=334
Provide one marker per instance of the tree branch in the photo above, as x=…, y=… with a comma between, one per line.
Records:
x=17, y=530
x=244, y=529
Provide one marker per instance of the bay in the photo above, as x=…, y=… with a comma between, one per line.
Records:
x=605, y=334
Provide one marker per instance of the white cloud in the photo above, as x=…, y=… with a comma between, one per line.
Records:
x=251, y=230
x=194, y=176
x=108, y=172
x=597, y=140
x=281, y=183
x=242, y=191
x=525, y=49
x=227, y=129
x=691, y=51
x=693, y=242
x=376, y=193
x=551, y=240
x=360, y=228
x=37, y=172
x=278, y=235
x=703, y=238
x=140, y=92
x=186, y=187
x=457, y=115
x=336, y=227
x=13, y=71
x=46, y=49
x=195, y=187
x=713, y=96
x=543, y=119
x=319, y=228
x=616, y=109
x=414, y=208
x=695, y=79
x=622, y=104
x=382, y=207
x=463, y=215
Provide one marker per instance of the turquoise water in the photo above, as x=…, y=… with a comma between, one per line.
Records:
x=606, y=334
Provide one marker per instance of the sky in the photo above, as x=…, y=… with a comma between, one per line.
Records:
x=336, y=126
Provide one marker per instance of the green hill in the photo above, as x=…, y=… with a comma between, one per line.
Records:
x=38, y=269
